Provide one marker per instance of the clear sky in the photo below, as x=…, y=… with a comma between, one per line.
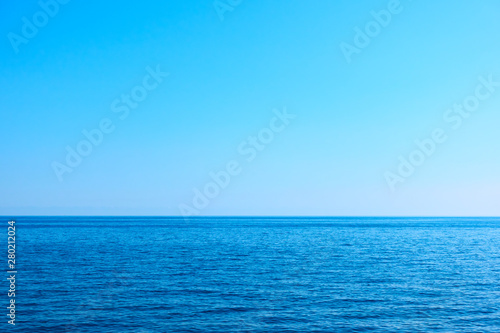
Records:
x=354, y=90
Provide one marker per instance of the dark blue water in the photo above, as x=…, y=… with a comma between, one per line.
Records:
x=257, y=275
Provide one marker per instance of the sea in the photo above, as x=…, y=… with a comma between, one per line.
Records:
x=254, y=274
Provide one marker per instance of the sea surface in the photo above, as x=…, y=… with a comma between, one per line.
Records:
x=129, y=274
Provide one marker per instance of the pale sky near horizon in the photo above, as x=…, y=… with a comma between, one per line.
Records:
x=360, y=83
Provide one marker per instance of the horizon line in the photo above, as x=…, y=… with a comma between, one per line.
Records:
x=262, y=216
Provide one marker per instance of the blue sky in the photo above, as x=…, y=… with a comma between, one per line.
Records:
x=225, y=77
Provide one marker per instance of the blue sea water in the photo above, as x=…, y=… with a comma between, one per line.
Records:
x=132, y=274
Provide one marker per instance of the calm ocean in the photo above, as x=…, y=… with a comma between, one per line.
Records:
x=132, y=274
